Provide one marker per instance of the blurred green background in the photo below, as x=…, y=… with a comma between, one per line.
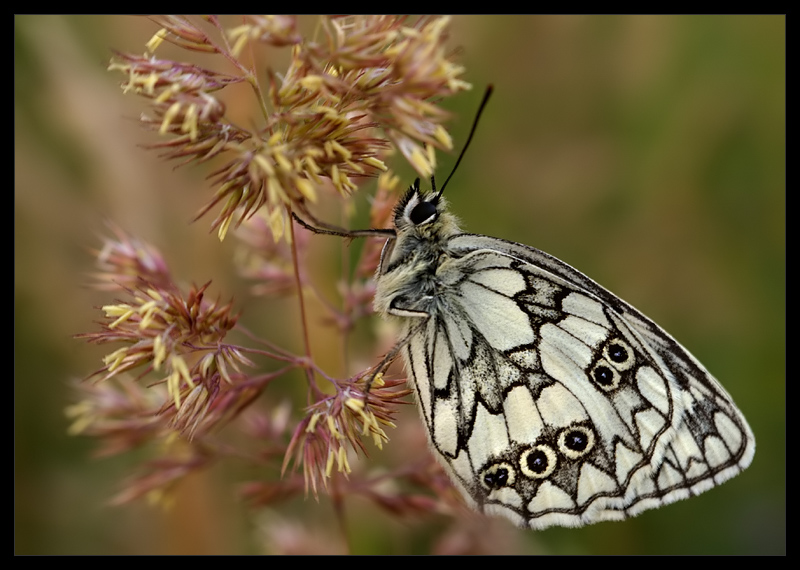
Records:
x=648, y=152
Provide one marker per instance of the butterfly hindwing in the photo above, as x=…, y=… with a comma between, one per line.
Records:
x=551, y=401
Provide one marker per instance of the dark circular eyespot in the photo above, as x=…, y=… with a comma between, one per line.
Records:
x=497, y=479
x=603, y=375
x=497, y=476
x=538, y=462
x=619, y=354
x=576, y=441
x=422, y=212
x=606, y=377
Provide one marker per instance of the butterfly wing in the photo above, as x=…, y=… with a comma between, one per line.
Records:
x=553, y=402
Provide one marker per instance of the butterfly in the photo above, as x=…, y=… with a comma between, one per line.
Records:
x=547, y=399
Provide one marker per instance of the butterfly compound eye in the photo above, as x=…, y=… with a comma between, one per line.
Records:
x=422, y=212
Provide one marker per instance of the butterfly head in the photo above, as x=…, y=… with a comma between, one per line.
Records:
x=424, y=213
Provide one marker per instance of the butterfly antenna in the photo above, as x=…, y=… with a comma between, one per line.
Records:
x=486, y=96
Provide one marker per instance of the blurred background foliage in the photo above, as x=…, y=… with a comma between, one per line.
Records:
x=649, y=152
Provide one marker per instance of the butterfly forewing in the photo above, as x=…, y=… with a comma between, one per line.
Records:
x=548, y=399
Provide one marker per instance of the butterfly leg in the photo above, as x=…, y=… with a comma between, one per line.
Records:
x=331, y=230
x=392, y=354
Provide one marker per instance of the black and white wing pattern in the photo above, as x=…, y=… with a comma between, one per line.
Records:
x=548, y=399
